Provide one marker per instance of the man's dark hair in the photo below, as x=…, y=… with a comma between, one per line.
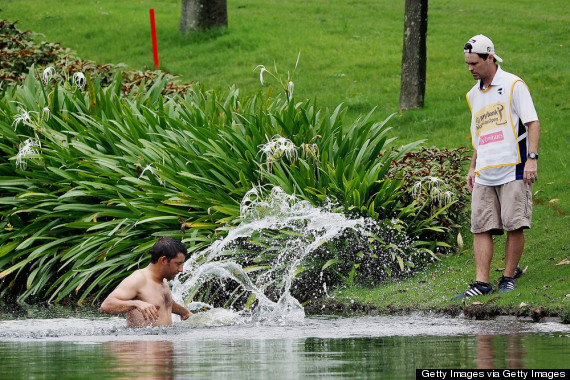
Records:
x=468, y=46
x=168, y=247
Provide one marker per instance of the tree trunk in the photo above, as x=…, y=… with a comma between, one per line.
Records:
x=203, y=14
x=413, y=85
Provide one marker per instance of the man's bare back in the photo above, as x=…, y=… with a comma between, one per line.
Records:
x=145, y=296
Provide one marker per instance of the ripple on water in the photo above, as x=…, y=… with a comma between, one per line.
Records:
x=221, y=324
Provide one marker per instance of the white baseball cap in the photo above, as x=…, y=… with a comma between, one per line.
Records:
x=481, y=44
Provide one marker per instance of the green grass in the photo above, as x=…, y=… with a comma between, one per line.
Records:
x=545, y=284
x=351, y=53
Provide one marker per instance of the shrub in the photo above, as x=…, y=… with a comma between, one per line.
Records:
x=20, y=51
x=434, y=185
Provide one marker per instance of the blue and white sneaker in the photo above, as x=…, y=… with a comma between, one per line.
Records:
x=506, y=284
x=475, y=289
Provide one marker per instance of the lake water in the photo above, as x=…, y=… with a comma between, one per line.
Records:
x=222, y=346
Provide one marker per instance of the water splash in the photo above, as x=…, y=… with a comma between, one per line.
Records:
x=261, y=209
x=284, y=234
x=215, y=317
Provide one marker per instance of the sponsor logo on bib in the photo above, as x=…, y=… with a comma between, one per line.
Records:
x=491, y=137
x=490, y=117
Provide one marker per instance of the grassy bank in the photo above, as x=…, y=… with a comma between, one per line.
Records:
x=351, y=54
x=542, y=291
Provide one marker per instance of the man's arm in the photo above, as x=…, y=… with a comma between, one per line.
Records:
x=183, y=312
x=471, y=174
x=530, y=167
x=122, y=299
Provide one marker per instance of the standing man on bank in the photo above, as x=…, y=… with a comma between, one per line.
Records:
x=145, y=296
x=505, y=133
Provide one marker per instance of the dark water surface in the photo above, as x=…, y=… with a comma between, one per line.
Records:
x=201, y=348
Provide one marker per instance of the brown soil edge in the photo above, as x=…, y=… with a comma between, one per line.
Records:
x=472, y=311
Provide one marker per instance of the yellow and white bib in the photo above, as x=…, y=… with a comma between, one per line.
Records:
x=494, y=126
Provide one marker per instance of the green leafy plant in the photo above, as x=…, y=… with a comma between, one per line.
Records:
x=91, y=174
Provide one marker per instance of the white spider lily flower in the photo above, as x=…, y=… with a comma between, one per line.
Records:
x=260, y=72
x=268, y=147
x=434, y=181
x=447, y=197
x=417, y=189
x=286, y=147
x=26, y=148
x=150, y=169
x=23, y=117
x=436, y=191
x=277, y=148
x=290, y=88
x=48, y=75
x=79, y=80
x=435, y=188
x=45, y=113
x=437, y=195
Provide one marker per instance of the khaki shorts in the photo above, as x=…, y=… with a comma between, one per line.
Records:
x=502, y=208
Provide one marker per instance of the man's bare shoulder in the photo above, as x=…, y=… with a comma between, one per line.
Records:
x=135, y=280
x=138, y=274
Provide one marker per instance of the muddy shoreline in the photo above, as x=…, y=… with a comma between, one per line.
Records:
x=477, y=311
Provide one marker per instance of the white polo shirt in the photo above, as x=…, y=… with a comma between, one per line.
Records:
x=500, y=138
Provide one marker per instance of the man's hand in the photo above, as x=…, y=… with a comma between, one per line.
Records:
x=183, y=312
x=530, y=171
x=471, y=179
x=184, y=316
x=148, y=311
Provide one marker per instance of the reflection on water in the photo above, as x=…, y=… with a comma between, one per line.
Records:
x=489, y=347
x=387, y=357
x=141, y=359
x=378, y=347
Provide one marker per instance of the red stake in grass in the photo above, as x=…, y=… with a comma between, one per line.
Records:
x=154, y=43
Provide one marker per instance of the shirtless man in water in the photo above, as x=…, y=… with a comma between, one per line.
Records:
x=145, y=295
